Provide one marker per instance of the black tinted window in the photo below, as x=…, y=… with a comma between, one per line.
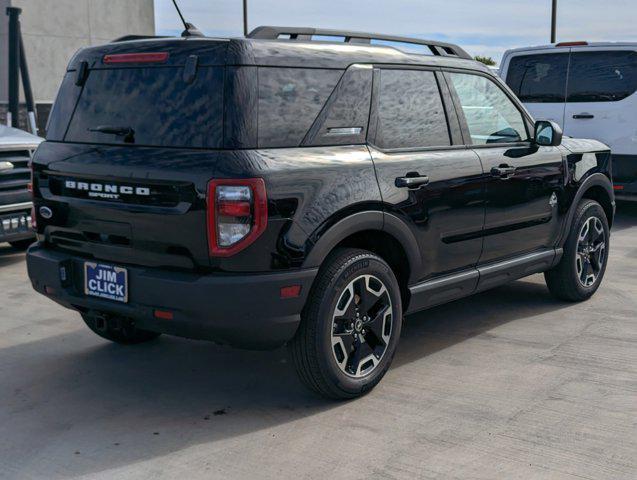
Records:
x=344, y=119
x=289, y=101
x=411, y=113
x=161, y=108
x=602, y=76
x=539, y=78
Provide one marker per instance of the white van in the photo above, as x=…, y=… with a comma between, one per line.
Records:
x=589, y=89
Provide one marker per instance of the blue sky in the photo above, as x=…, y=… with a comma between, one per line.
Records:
x=482, y=27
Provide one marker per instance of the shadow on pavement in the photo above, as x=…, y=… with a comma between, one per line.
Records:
x=119, y=405
x=626, y=216
x=10, y=255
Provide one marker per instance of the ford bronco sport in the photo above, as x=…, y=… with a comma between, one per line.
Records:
x=282, y=189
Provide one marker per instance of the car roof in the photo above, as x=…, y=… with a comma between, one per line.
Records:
x=565, y=45
x=303, y=47
x=326, y=54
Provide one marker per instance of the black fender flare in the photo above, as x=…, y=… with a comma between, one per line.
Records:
x=359, y=222
x=595, y=180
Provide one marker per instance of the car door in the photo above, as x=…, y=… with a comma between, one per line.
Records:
x=523, y=181
x=427, y=178
x=538, y=79
x=601, y=98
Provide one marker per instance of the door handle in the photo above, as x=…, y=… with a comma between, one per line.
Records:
x=503, y=171
x=583, y=116
x=412, y=181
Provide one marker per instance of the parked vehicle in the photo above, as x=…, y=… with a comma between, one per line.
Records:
x=16, y=148
x=587, y=88
x=265, y=191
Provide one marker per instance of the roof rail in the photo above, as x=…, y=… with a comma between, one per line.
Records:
x=305, y=34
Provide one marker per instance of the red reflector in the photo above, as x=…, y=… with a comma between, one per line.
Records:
x=49, y=290
x=618, y=187
x=571, y=44
x=155, y=57
x=163, y=314
x=234, y=209
x=292, y=291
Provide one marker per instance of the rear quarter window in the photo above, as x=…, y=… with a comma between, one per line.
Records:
x=602, y=76
x=289, y=101
x=538, y=78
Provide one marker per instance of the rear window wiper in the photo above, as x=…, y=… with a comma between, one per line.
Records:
x=127, y=132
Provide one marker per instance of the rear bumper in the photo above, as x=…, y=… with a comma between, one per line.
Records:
x=15, y=222
x=625, y=176
x=242, y=310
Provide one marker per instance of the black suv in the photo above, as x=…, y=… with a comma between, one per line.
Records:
x=282, y=189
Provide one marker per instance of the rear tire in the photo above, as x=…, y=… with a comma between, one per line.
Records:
x=581, y=269
x=350, y=326
x=117, y=329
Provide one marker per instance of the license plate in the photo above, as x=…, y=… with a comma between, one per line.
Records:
x=106, y=281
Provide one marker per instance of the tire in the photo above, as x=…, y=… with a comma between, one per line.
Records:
x=583, y=256
x=117, y=329
x=336, y=353
x=22, y=244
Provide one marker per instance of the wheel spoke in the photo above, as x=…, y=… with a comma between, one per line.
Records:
x=362, y=352
x=377, y=325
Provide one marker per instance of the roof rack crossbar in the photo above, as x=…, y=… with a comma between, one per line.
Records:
x=306, y=34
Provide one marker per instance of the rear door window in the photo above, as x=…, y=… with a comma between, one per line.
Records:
x=159, y=106
x=538, y=78
x=410, y=111
x=602, y=76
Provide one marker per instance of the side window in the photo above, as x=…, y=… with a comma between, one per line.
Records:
x=539, y=78
x=289, y=101
x=410, y=111
x=601, y=76
x=491, y=115
x=344, y=119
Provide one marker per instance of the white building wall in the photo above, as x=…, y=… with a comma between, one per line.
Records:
x=53, y=30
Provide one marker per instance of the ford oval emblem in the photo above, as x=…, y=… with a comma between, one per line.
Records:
x=46, y=212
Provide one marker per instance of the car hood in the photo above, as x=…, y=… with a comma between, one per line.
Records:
x=583, y=145
x=12, y=138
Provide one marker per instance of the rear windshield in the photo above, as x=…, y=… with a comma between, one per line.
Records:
x=539, y=78
x=156, y=104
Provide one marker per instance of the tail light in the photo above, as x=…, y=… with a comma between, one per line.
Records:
x=237, y=214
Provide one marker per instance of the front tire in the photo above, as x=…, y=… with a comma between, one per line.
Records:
x=581, y=269
x=117, y=329
x=350, y=326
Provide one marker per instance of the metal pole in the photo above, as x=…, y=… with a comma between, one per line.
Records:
x=245, y=18
x=26, y=86
x=14, y=65
x=554, y=22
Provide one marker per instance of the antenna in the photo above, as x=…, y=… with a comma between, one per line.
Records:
x=190, y=29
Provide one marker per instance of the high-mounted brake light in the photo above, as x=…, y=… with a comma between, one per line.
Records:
x=571, y=44
x=237, y=214
x=153, y=57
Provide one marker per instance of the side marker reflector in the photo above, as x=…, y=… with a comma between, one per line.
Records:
x=291, y=291
x=163, y=314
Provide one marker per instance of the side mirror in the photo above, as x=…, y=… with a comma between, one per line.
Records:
x=547, y=133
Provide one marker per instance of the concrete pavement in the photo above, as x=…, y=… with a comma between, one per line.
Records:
x=508, y=384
